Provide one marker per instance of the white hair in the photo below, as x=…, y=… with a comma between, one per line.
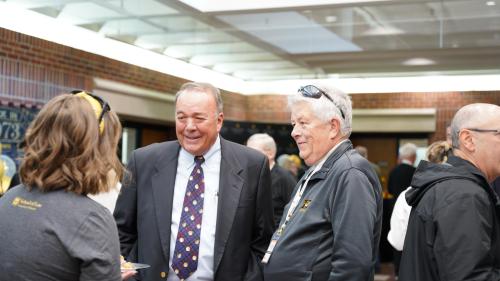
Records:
x=204, y=88
x=325, y=109
x=471, y=116
x=407, y=150
x=265, y=140
x=283, y=160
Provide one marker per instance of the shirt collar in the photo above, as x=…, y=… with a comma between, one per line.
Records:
x=186, y=159
x=318, y=166
x=406, y=161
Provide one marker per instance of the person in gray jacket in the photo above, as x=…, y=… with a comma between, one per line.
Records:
x=330, y=230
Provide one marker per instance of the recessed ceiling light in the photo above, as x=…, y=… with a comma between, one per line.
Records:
x=330, y=18
x=490, y=3
x=383, y=30
x=418, y=61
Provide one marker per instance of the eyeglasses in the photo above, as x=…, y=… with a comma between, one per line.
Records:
x=104, y=105
x=496, y=132
x=311, y=91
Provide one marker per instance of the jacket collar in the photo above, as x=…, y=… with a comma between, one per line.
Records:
x=327, y=165
x=428, y=174
x=480, y=177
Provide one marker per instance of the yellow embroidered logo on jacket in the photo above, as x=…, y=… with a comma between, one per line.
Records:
x=306, y=204
x=27, y=204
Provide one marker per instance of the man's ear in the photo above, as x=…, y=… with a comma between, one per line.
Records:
x=220, y=120
x=466, y=140
x=334, y=126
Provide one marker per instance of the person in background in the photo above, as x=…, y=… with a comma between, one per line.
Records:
x=363, y=151
x=438, y=152
x=331, y=228
x=282, y=182
x=284, y=161
x=297, y=167
x=49, y=228
x=399, y=179
x=400, y=176
x=198, y=208
x=454, y=226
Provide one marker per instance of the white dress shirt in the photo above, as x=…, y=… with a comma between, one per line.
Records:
x=211, y=172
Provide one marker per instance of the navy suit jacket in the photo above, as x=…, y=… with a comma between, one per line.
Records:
x=244, y=217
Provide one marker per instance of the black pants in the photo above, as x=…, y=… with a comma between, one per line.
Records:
x=397, y=260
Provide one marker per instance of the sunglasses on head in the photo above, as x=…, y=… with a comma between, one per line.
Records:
x=311, y=91
x=104, y=105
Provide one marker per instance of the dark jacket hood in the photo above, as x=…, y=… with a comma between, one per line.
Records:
x=428, y=174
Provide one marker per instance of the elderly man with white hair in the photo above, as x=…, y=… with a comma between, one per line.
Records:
x=454, y=227
x=282, y=181
x=331, y=228
x=400, y=176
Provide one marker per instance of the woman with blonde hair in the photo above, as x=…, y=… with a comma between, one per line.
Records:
x=49, y=228
x=438, y=152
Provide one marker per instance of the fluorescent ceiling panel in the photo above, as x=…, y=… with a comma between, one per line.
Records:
x=291, y=32
x=289, y=73
x=31, y=4
x=181, y=38
x=272, y=72
x=212, y=59
x=236, y=66
x=238, y=5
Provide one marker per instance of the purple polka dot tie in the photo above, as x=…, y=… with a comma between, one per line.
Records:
x=185, y=259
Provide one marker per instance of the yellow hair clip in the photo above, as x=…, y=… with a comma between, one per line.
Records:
x=98, y=104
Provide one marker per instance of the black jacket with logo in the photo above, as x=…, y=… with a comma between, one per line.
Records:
x=335, y=231
x=453, y=231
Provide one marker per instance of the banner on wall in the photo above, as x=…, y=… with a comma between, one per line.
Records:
x=13, y=124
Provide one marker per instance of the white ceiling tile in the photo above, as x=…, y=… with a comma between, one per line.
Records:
x=86, y=12
x=143, y=7
x=128, y=27
x=291, y=32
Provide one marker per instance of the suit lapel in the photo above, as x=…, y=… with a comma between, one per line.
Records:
x=230, y=187
x=163, y=183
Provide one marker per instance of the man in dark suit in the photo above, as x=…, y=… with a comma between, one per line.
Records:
x=282, y=181
x=198, y=208
x=399, y=180
x=400, y=176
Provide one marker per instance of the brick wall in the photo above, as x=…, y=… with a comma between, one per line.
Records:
x=269, y=107
x=446, y=104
